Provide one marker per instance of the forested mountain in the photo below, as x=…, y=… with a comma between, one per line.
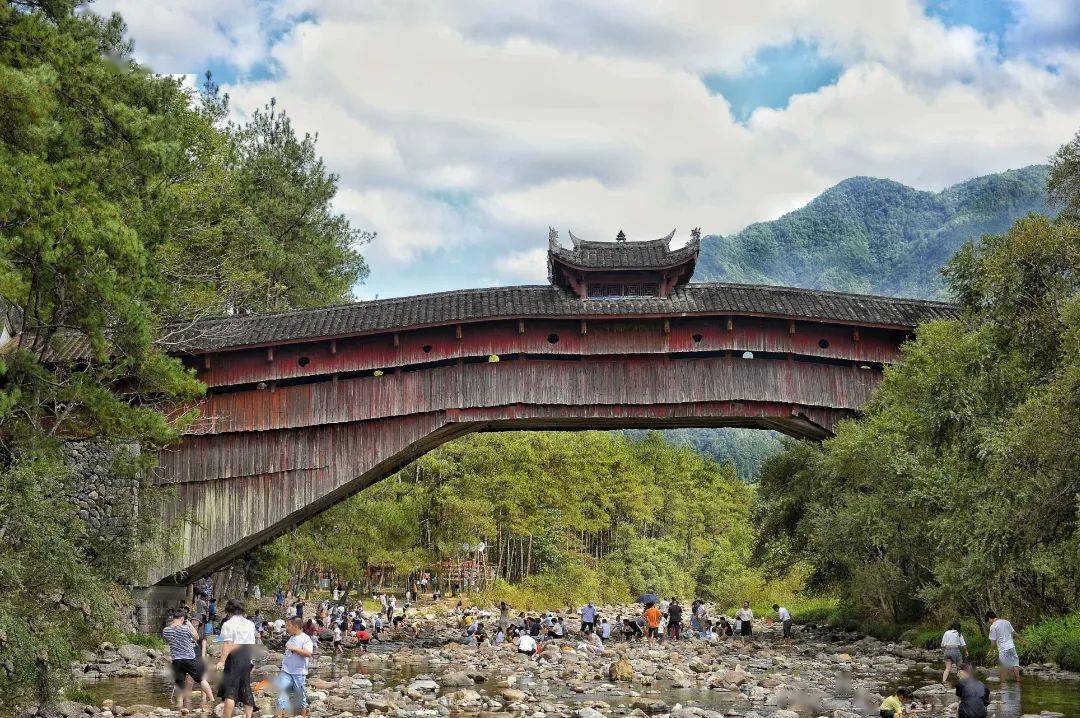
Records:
x=873, y=235
x=868, y=235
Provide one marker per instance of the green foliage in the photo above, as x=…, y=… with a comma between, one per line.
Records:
x=873, y=235
x=125, y=202
x=958, y=489
x=745, y=449
x=1063, y=186
x=565, y=516
x=1054, y=639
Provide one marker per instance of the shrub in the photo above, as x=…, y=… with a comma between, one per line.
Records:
x=1055, y=639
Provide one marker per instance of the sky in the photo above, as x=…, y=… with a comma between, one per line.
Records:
x=461, y=130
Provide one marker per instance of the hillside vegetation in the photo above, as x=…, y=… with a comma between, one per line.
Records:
x=874, y=236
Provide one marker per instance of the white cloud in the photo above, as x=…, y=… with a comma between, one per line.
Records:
x=470, y=126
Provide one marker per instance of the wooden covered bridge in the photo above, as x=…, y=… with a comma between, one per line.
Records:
x=308, y=407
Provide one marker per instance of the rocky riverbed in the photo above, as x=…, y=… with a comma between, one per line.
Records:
x=821, y=673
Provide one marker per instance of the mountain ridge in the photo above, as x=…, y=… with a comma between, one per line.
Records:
x=874, y=235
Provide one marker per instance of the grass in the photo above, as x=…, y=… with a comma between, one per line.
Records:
x=78, y=695
x=1054, y=640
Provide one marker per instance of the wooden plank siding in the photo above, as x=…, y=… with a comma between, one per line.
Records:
x=285, y=435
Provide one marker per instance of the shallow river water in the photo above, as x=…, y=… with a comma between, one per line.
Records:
x=1030, y=696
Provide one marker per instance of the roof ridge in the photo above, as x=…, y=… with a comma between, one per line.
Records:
x=826, y=292
x=363, y=302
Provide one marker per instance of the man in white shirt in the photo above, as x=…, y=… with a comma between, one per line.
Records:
x=237, y=636
x=588, y=617
x=1004, y=636
x=785, y=619
x=605, y=629
x=526, y=644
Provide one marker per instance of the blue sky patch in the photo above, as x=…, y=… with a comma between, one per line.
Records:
x=990, y=17
x=776, y=74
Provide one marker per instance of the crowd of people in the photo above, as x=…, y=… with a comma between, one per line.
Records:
x=189, y=628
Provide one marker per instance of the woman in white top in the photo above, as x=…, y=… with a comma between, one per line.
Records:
x=746, y=617
x=955, y=648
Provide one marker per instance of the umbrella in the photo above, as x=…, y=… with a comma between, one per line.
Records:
x=648, y=598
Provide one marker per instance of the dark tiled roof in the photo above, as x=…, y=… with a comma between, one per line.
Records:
x=546, y=301
x=654, y=254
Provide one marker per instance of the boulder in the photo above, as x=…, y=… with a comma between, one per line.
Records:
x=513, y=694
x=621, y=670
x=457, y=678
x=132, y=653
x=650, y=706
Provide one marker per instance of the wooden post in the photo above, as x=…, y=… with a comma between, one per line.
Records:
x=457, y=331
x=206, y=361
x=584, y=328
x=270, y=354
x=521, y=326
x=791, y=328
x=333, y=346
x=397, y=340
x=667, y=327
x=730, y=324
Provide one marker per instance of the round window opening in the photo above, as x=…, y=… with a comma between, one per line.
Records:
x=697, y=339
x=823, y=343
x=303, y=361
x=553, y=338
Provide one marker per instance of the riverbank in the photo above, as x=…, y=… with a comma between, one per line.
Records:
x=823, y=671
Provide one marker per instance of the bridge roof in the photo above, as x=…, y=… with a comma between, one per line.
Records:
x=544, y=301
x=651, y=254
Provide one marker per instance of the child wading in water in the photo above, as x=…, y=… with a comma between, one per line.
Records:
x=292, y=682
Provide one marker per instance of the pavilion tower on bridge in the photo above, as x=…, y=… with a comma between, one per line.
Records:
x=623, y=268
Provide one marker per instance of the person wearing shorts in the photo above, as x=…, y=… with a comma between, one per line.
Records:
x=954, y=647
x=238, y=638
x=652, y=616
x=182, y=639
x=1004, y=636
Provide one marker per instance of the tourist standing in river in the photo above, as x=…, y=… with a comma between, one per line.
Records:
x=292, y=681
x=183, y=641
x=238, y=637
x=785, y=619
x=652, y=616
x=588, y=617
x=973, y=693
x=955, y=648
x=1004, y=637
x=674, y=615
x=746, y=619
